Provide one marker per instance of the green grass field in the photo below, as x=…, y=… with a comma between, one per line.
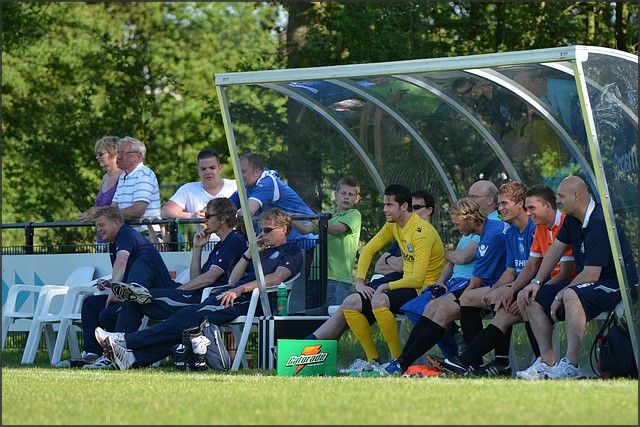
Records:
x=165, y=396
x=41, y=395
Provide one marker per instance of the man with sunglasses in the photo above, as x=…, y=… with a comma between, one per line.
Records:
x=190, y=199
x=280, y=261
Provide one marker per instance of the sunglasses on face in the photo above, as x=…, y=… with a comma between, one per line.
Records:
x=267, y=230
x=208, y=215
x=417, y=207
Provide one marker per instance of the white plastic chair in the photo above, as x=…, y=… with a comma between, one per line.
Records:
x=70, y=318
x=44, y=316
x=10, y=315
x=184, y=276
x=247, y=321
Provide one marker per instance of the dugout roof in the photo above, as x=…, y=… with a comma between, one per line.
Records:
x=440, y=124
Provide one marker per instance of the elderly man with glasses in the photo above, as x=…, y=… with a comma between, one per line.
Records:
x=485, y=194
x=138, y=193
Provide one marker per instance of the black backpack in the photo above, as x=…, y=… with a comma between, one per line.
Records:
x=612, y=350
x=211, y=351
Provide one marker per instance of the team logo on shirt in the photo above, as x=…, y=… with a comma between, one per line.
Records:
x=482, y=249
x=582, y=248
x=275, y=255
x=409, y=248
x=521, y=247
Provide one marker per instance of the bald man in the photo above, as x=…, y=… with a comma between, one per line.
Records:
x=485, y=194
x=594, y=290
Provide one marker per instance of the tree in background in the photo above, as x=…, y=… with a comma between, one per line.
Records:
x=73, y=72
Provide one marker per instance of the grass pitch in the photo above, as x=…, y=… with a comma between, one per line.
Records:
x=37, y=395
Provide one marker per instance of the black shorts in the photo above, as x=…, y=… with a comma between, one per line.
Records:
x=397, y=298
x=595, y=297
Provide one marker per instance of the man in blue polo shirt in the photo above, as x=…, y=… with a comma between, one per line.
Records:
x=594, y=290
x=126, y=247
x=265, y=190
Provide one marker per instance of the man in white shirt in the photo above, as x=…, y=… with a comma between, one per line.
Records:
x=190, y=200
x=138, y=193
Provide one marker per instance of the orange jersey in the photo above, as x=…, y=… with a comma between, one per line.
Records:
x=543, y=239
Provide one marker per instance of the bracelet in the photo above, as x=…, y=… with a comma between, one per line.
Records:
x=246, y=258
x=536, y=281
x=386, y=259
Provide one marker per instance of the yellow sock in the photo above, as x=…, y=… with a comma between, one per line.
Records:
x=389, y=328
x=360, y=327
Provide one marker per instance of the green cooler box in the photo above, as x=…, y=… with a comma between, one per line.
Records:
x=274, y=328
x=304, y=358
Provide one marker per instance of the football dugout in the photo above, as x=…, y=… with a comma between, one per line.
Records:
x=440, y=124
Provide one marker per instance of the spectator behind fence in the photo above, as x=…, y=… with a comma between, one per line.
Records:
x=594, y=290
x=190, y=200
x=280, y=261
x=494, y=103
x=265, y=190
x=158, y=303
x=138, y=193
x=127, y=249
x=343, y=236
x=106, y=149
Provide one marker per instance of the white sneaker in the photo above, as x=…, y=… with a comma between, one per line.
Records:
x=358, y=365
x=100, y=363
x=564, y=370
x=119, y=354
x=381, y=370
x=537, y=371
x=131, y=292
x=101, y=337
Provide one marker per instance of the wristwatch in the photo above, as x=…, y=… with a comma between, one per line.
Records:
x=536, y=281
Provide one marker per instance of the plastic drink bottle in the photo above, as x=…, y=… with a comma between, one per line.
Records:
x=282, y=300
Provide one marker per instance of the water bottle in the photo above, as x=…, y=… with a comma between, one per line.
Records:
x=61, y=364
x=282, y=300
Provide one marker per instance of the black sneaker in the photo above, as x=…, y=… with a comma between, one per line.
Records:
x=452, y=365
x=491, y=370
x=131, y=292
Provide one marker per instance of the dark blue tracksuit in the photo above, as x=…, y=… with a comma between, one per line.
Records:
x=154, y=343
x=224, y=256
x=141, y=254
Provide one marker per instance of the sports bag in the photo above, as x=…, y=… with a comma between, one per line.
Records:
x=612, y=350
x=202, y=348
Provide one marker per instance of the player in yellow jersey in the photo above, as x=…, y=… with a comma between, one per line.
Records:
x=423, y=260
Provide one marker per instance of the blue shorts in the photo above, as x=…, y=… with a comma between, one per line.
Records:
x=414, y=308
x=595, y=298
